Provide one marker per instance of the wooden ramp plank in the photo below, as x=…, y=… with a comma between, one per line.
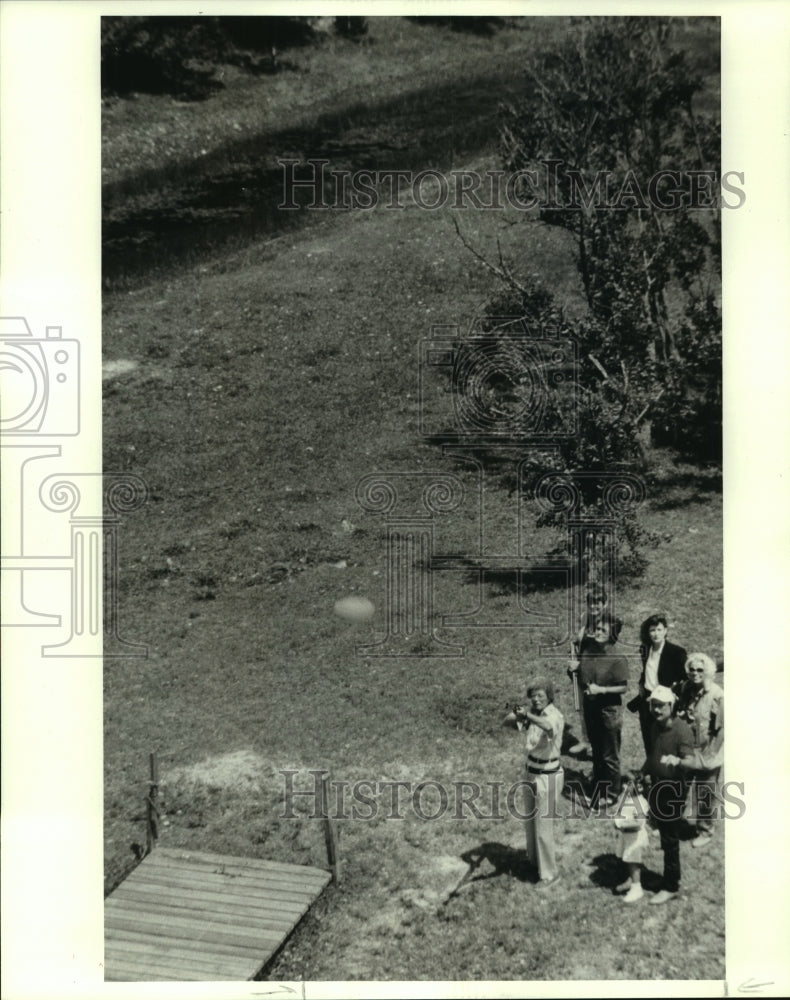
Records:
x=161, y=880
x=292, y=876
x=194, y=916
x=251, y=864
x=121, y=972
x=262, y=912
x=151, y=910
x=183, y=876
x=281, y=902
x=187, y=944
x=201, y=927
x=188, y=963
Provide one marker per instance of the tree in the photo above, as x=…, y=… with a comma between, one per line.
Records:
x=610, y=145
x=630, y=166
x=181, y=55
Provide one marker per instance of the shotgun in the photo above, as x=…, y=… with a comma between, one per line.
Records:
x=575, y=677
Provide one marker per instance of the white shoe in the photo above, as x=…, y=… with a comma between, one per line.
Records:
x=664, y=896
x=624, y=886
x=634, y=894
x=702, y=840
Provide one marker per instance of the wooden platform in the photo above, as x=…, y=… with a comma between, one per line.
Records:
x=188, y=915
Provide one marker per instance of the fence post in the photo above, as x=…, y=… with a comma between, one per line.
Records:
x=330, y=833
x=152, y=810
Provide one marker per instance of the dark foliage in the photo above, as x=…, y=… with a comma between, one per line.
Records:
x=483, y=25
x=613, y=106
x=354, y=28
x=180, y=55
x=609, y=107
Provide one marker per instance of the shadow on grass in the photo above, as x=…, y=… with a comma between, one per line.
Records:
x=610, y=871
x=684, y=488
x=523, y=582
x=494, y=859
x=483, y=26
x=195, y=206
x=571, y=735
x=577, y=789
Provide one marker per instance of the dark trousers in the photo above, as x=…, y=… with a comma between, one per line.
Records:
x=670, y=845
x=645, y=723
x=604, y=728
x=667, y=801
x=703, y=798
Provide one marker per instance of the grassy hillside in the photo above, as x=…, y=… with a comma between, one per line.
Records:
x=254, y=374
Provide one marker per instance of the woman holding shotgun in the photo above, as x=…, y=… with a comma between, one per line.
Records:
x=543, y=724
x=603, y=678
x=597, y=601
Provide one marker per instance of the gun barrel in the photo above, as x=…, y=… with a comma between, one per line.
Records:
x=575, y=679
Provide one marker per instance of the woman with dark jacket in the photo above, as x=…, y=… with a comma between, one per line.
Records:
x=663, y=665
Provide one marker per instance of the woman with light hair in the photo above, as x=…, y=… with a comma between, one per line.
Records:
x=701, y=704
x=543, y=725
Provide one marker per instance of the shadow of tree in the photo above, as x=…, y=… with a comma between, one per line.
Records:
x=179, y=213
x=483, y=26
x=683, y=488
x=504, y=581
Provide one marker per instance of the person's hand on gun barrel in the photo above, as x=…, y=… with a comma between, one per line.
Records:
x=517, y=716
x=522, y=716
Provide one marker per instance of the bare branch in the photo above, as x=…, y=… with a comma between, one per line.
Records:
x=625, y=376
x=599, y=366
x=503, y=273
x=648, y=405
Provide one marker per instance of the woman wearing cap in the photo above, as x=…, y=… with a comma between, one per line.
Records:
x=701, y=705
x=671, y=741
x=663, y=663
x=544, y=725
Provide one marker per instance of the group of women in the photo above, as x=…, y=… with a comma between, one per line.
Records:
x=681, y=715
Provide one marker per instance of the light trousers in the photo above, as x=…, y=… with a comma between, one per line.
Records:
x=542, y=794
